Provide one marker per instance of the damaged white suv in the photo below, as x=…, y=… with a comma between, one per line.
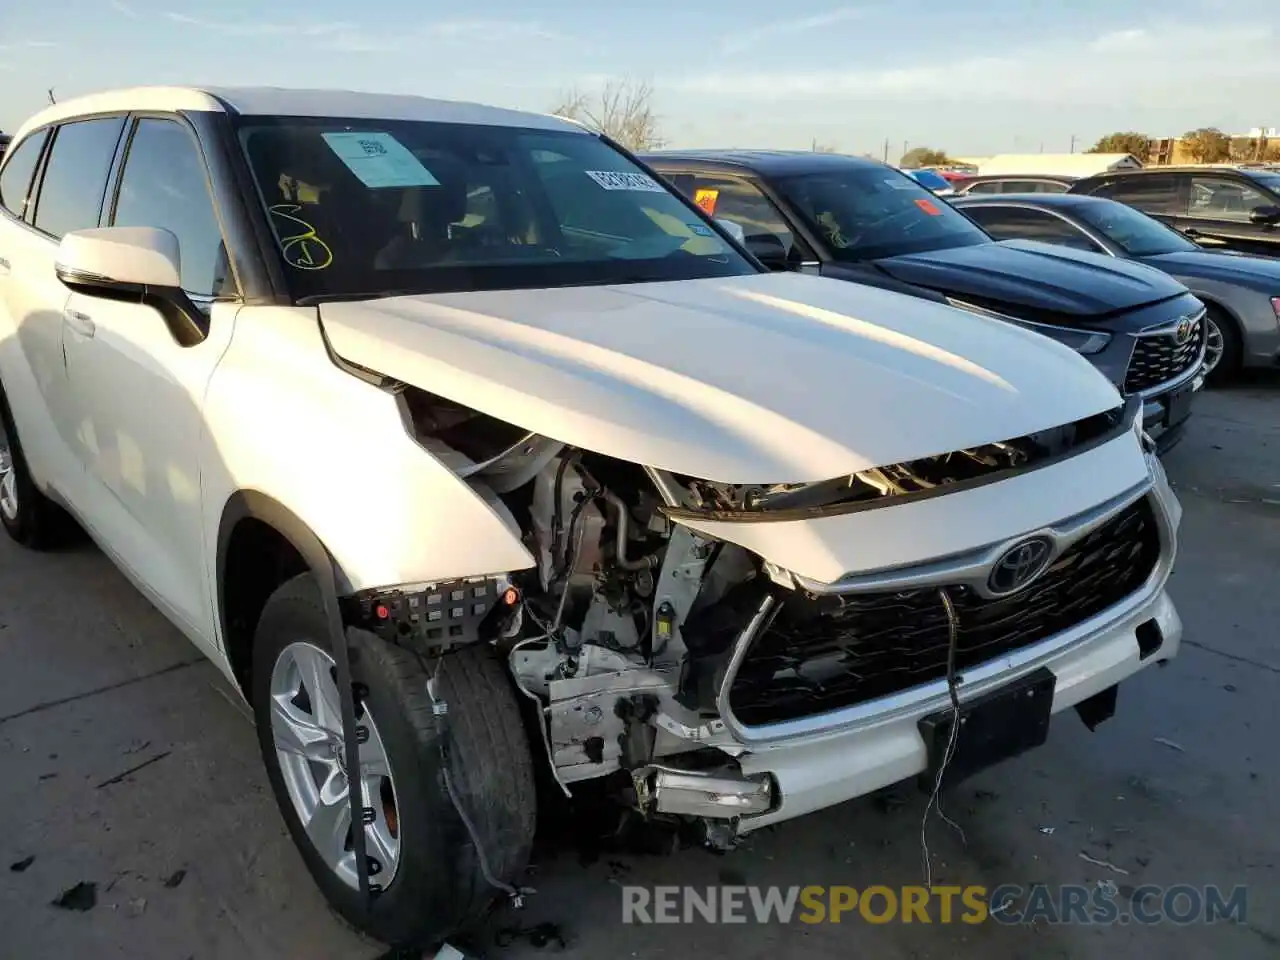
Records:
x=453, y=429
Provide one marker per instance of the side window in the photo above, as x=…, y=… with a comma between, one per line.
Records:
x=1217, y=199
x=75, y=178
x=729, y=198
x=1020, y=223
x=986, y=186
x=165, y=185
x=1154, y=194
x=15, y=175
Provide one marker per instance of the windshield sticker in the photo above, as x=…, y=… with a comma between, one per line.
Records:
x=701, y=230
x=302, y=250
x=380, y=160
x=619, y=180
x=929, y=207
x=901, y=183
x=706, y=198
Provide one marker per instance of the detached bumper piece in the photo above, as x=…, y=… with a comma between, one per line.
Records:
x=826, y=653
x=434, y=618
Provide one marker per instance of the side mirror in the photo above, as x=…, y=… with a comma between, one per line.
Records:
x=1267, y=215
x=110, y=261
x=769, y=249
x=733, y=229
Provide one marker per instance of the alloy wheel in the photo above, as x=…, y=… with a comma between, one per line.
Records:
x=8, y=482
x=306, y=728
x=1213, y=346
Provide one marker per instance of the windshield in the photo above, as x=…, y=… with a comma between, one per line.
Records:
x=374, y=208
x=1266, y=179
x=870, y=212
x=1133, y=232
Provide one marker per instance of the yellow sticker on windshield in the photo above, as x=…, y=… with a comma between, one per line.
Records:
x=302, y=250
x=706, y=198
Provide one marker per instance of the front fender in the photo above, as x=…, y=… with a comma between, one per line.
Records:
x=282, y=420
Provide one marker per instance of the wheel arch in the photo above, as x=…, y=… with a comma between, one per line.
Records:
x=261, y=544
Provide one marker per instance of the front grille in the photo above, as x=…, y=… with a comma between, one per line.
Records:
x=1158, y=359
x=825, y=653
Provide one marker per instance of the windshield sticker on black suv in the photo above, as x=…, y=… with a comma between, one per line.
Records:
x=380, y=160
x=618, y=180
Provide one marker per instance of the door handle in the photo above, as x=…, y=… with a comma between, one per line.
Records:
x=81, y=323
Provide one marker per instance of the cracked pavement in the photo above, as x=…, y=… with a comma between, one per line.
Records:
x=128, y=764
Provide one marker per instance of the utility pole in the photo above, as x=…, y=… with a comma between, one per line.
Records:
x=1073, y=143
x=886, y=149
x=52, y=99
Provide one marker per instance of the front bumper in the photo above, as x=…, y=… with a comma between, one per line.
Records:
x=1165, y=414
x=811, y=775
x=843, y=760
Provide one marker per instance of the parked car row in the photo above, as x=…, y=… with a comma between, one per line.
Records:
x=474, y=452
x=859, y=220
x=1241, y=293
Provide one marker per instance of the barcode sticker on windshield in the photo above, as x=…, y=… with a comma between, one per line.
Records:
x=380, y=160
x=901, y=183
x=618, y=180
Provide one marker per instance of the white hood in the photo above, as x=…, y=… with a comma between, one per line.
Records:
x=768, y=378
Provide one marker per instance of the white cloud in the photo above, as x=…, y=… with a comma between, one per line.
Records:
x=123, y=9
x=351, y=38
x=744, y=40
x=1176, y=65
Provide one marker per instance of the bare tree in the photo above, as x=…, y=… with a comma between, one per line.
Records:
x=621, y=109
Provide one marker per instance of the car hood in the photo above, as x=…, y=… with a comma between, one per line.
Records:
x=1042, y=278
x=766, y=378
x=1256, y=273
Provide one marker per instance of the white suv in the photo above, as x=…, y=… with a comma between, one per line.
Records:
x=417, y=415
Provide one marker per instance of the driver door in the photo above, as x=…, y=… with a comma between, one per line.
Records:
x=137, y=391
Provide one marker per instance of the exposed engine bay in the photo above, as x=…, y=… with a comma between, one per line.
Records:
x=624, y=633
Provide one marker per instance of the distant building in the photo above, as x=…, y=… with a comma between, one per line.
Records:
x=1062, y=164
x=1260, y=143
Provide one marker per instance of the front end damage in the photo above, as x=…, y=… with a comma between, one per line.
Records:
x=678, y=644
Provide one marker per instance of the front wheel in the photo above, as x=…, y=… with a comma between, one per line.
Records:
x=28, y=516
x=421, y=854
x=1223, y=349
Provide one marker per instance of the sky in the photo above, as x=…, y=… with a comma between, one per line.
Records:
x=972, y=77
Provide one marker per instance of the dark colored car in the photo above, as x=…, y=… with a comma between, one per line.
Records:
x=1241, y=292
x=862, y=221
x=1232, y=208
x=1015, y=183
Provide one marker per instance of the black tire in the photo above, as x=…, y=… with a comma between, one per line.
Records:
x=1232, y=347
x=439, y=888
x=38, y=523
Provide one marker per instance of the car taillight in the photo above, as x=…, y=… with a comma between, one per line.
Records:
x=1275, y=305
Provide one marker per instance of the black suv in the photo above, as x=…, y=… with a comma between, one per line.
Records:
x=1233, y=208
x=858, y=220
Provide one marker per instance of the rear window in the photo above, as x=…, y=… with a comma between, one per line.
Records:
x=75, y=178
x=15, y=175
x=1151, y=194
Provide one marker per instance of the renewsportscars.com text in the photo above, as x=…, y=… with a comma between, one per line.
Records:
x=1008, y=904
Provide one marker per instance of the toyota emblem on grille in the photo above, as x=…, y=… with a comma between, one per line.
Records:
x=1183, y=333
x=1019, y=566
